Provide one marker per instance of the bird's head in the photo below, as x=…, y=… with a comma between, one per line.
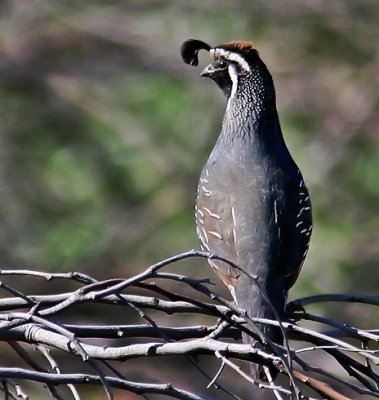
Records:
x=232, y=64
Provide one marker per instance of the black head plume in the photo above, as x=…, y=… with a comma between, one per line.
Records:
x=189, y=50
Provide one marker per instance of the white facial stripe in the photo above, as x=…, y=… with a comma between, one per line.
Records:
x=233, y=73
x=229, y=55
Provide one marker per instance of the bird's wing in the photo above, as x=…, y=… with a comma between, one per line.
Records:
x=296, y=229
x=215, y=229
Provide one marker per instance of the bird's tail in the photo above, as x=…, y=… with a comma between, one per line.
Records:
x=269, y=334
x=259, y=371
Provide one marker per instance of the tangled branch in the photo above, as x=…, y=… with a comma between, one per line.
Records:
x=40, y=321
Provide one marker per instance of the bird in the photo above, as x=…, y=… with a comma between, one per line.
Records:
x=252, y=206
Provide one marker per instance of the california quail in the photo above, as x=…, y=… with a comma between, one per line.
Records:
x=252, y=205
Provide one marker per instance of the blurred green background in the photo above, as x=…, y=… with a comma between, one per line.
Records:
x=104, y=131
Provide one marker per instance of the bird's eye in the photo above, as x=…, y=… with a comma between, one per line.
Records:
x=221, y=64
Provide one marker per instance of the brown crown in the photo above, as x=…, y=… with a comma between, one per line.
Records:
x=242, y=47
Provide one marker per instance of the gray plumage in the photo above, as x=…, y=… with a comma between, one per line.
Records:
x=252, y=205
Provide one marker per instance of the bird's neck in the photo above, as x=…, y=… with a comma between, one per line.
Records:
x=251, y=117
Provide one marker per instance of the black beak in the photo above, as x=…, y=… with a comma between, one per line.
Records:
x=208, y=71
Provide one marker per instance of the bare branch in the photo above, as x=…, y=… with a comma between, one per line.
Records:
x=337, y=297
x=66, y=379
x=43, y=320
